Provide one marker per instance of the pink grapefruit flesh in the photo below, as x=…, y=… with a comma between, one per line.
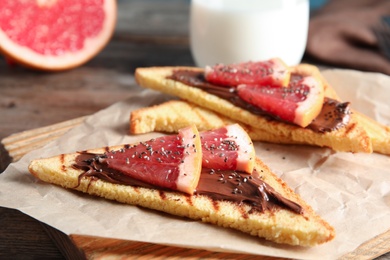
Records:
x=299, y=103
x=55, y=34
x=228, y=148
x=269, y=72
x=173, y=162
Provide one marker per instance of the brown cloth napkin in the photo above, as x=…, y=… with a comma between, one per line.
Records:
x=342, y=34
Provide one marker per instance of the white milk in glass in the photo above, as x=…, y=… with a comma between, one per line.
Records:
x=232, y=31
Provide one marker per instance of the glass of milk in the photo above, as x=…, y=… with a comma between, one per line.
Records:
x=232, y=31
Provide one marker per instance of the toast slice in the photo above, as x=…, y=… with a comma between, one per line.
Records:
x=172, y=115
x=378, y=133
x=279, y=225
x=351, y=138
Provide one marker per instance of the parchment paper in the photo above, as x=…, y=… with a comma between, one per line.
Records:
x=350, y=191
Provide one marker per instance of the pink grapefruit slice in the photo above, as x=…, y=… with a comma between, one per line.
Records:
x=55, y=35
x=173, y=162
x=269, y=72
x=228, y=148
x=299, y=103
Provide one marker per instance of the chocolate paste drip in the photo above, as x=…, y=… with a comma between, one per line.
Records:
x=334, y=114
x=196, y=79
x=241, y=187
x=234, y=186
x=94, y=167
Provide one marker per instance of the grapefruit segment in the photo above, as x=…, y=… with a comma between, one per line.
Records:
x=228, y=148
x=191, y=165
x=299, y=103
x=56, y=34
x=269, y=72
x=173, y=162
x=311, y=107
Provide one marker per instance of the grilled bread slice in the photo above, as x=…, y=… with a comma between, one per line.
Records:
x=351, y=138
x=278, y=225
x=172, y=115
x=378, y=133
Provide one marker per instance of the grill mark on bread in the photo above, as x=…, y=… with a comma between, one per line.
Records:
x=365, y=140
x=215, y=204
x=162, y=195
x=350, y=127
x=62, y=162
x=136, y=189
x=189, y=200
x=243, y=212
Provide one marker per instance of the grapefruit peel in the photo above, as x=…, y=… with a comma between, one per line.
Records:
x=300, y=103
x=311, y=107
x=246, y=150
x=191, y=167
x=16, y=46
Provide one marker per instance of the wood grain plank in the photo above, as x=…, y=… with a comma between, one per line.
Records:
x=371, y=249
x=102, y=248
x=19, y=144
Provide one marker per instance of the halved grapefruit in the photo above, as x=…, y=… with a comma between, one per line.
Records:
x=55, y=35
x=269, y=72
x=299, y=103
x=228, y=148
x=173, y=162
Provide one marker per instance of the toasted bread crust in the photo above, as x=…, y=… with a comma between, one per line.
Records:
x=378, y=133
x=352, y=138
x=172, y=115
x=280, y=226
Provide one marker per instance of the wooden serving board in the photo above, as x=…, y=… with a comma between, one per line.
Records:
x=102, y=248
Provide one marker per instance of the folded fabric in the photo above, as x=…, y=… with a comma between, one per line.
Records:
x=348, y=34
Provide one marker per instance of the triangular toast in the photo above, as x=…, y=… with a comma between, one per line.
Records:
x=172, y=115
x=278, y=225
x=351, y=138
x=378, y=133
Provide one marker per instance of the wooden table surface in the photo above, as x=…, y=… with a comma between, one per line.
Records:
x=148, y=33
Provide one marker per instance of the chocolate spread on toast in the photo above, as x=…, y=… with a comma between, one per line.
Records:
x=334, y=114
x=234, y=186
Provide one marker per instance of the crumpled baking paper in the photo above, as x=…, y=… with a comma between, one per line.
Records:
x=350, y=191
